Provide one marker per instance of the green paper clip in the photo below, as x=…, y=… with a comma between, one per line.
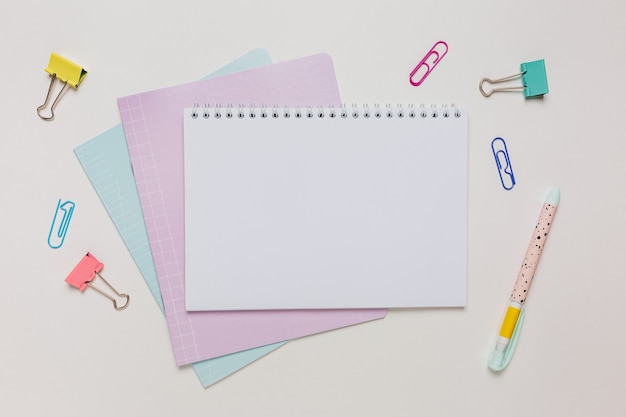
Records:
x=534, y=80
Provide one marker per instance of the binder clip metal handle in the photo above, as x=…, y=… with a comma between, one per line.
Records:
x=121, y=295
x=64, y=70
x=86, y=271
x=499, y=80
x=54, y=103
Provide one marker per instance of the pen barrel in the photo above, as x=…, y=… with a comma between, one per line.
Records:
x=531, y=259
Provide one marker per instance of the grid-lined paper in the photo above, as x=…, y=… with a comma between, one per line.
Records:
x=153, y=125
x=106, y=162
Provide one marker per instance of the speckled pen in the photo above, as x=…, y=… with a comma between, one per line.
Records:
x=513, y=317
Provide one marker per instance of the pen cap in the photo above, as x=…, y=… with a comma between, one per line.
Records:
x=499, y=360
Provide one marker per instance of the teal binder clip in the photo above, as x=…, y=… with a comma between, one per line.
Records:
x=534, y=80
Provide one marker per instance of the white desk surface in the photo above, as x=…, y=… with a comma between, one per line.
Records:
x=71, y=353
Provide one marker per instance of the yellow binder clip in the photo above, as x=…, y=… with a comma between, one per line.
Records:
x=65, y=71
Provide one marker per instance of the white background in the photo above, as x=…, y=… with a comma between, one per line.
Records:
x=69, y=353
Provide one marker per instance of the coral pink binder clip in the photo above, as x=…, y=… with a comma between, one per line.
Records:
x=428, y=63
x=86, y=271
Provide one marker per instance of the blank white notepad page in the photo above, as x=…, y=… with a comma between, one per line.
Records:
x=296, y=212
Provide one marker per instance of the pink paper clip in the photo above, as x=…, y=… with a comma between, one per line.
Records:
x=86, y=271
x=429, y=62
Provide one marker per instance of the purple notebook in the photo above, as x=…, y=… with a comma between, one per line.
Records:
x=153, y=125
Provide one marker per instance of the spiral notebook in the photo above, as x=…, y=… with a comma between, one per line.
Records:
x=319, y=208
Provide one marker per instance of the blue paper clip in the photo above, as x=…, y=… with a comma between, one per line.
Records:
x=503, y=162
x=429, y=62
x=60, y=223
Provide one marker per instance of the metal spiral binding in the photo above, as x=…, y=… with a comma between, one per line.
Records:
x=354, y=111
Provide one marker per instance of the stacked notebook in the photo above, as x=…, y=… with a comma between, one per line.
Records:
x=259, y=209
